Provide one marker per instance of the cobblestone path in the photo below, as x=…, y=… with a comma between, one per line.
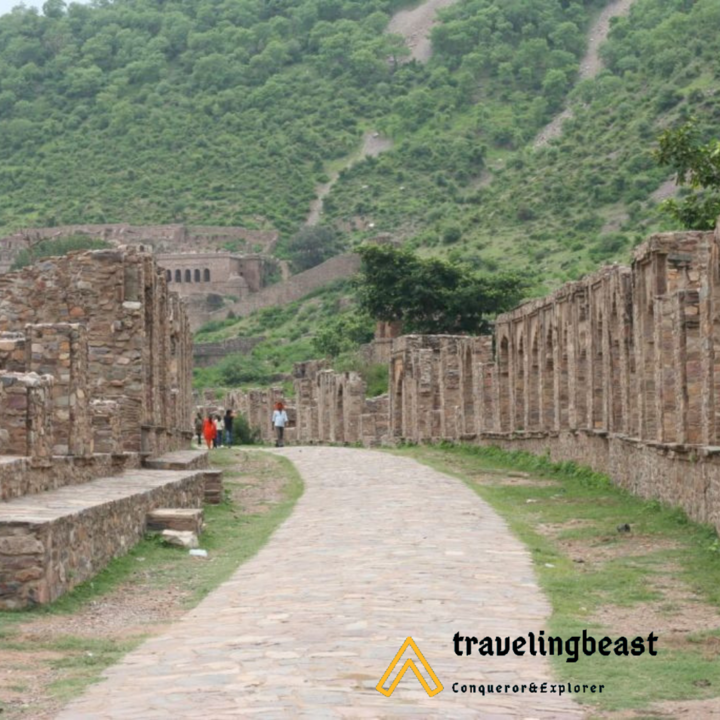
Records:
x=379, y=548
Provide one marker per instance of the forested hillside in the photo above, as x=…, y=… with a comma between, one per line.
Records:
x=171, y=110
x=562, y=209
x=230, y=112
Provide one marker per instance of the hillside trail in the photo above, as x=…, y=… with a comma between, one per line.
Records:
x=378, y=549
x=372, y=145
x=590, y=66
x=414, y=25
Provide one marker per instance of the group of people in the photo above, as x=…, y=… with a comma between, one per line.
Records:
x=217, y=431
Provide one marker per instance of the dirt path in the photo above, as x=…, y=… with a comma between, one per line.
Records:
x=378, y=548
x=590, y=65
x=373, y=144
x=415, y=26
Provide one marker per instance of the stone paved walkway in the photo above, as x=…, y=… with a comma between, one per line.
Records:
x=378, y=548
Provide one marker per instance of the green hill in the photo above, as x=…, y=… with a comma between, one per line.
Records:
x=230, y=113
x=233, y=111
x=587, y=197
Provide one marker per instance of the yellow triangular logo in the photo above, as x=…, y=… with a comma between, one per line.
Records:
x=409, y=664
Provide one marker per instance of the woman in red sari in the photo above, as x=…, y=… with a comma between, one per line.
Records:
x=209, y=431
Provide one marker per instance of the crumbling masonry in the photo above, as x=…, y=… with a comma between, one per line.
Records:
x=619, y=371
x=95, y=379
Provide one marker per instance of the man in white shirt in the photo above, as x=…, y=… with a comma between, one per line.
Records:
x=279, y=421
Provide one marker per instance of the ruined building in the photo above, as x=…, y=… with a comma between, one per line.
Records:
x=197, y=262
x=95, y=386
x=163, y=239
x=619, y=371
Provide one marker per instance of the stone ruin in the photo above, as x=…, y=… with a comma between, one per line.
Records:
x=619, y=371
x=95, y=389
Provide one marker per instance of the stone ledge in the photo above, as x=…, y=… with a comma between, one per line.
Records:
x=180, y=460
x=18, y=476
x=51, y=542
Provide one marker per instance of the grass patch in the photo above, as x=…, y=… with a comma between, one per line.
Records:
x=584, y=507
x=70, y=662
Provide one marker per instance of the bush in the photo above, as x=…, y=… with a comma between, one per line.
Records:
x=57, y=248
x=243, y=434
x=312, y=246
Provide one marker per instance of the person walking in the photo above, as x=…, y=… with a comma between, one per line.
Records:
x=279, y=421
x=228, y=422
x=199, y=427
x=218, y=432
x=209, y=431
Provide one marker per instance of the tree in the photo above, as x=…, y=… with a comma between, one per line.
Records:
x=431, y=296
x=697, y=165
x=343, y=333
x=312, y=246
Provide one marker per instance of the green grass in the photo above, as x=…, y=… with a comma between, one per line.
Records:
x=231, y=538
x=578, y=590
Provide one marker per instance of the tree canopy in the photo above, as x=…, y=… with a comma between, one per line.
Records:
x=432, y=295
x=696, y=165
x=312, y=246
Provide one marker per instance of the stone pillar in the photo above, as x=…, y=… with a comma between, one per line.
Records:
x=562, y=378
x=26, y=427
x=450, y=390
x=644, y=309
x=666, y=369
x=688, y=350
x=424, y=417
x=533, y=387
x=107, y=430
x=61, y=350
x=396, y=391
x=504, y=384
x=354, y=406
x=548, y=419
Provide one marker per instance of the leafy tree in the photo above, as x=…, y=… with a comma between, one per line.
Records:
x=432, y=295
x=696, y=165
x=344, y=333
x=312, y=246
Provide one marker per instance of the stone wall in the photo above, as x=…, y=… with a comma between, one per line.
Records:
x=26, y=430
x=61, y=351
x=105, y=324
x=43, y=559
x=95, y=357
x=206, y=354
x=282, y=293
x=619, y=371
x=162, y=238
x=223, y=274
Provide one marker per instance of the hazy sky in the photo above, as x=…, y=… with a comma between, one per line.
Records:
x=7, y=5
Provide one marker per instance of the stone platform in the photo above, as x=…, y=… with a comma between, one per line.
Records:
x=53, y=541
x=180, y=460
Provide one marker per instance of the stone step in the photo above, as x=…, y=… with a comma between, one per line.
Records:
x=180, y=460
x=53, y=541
x=213, y=487
x=182, y=519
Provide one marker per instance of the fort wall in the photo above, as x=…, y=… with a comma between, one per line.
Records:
x=619, y=371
